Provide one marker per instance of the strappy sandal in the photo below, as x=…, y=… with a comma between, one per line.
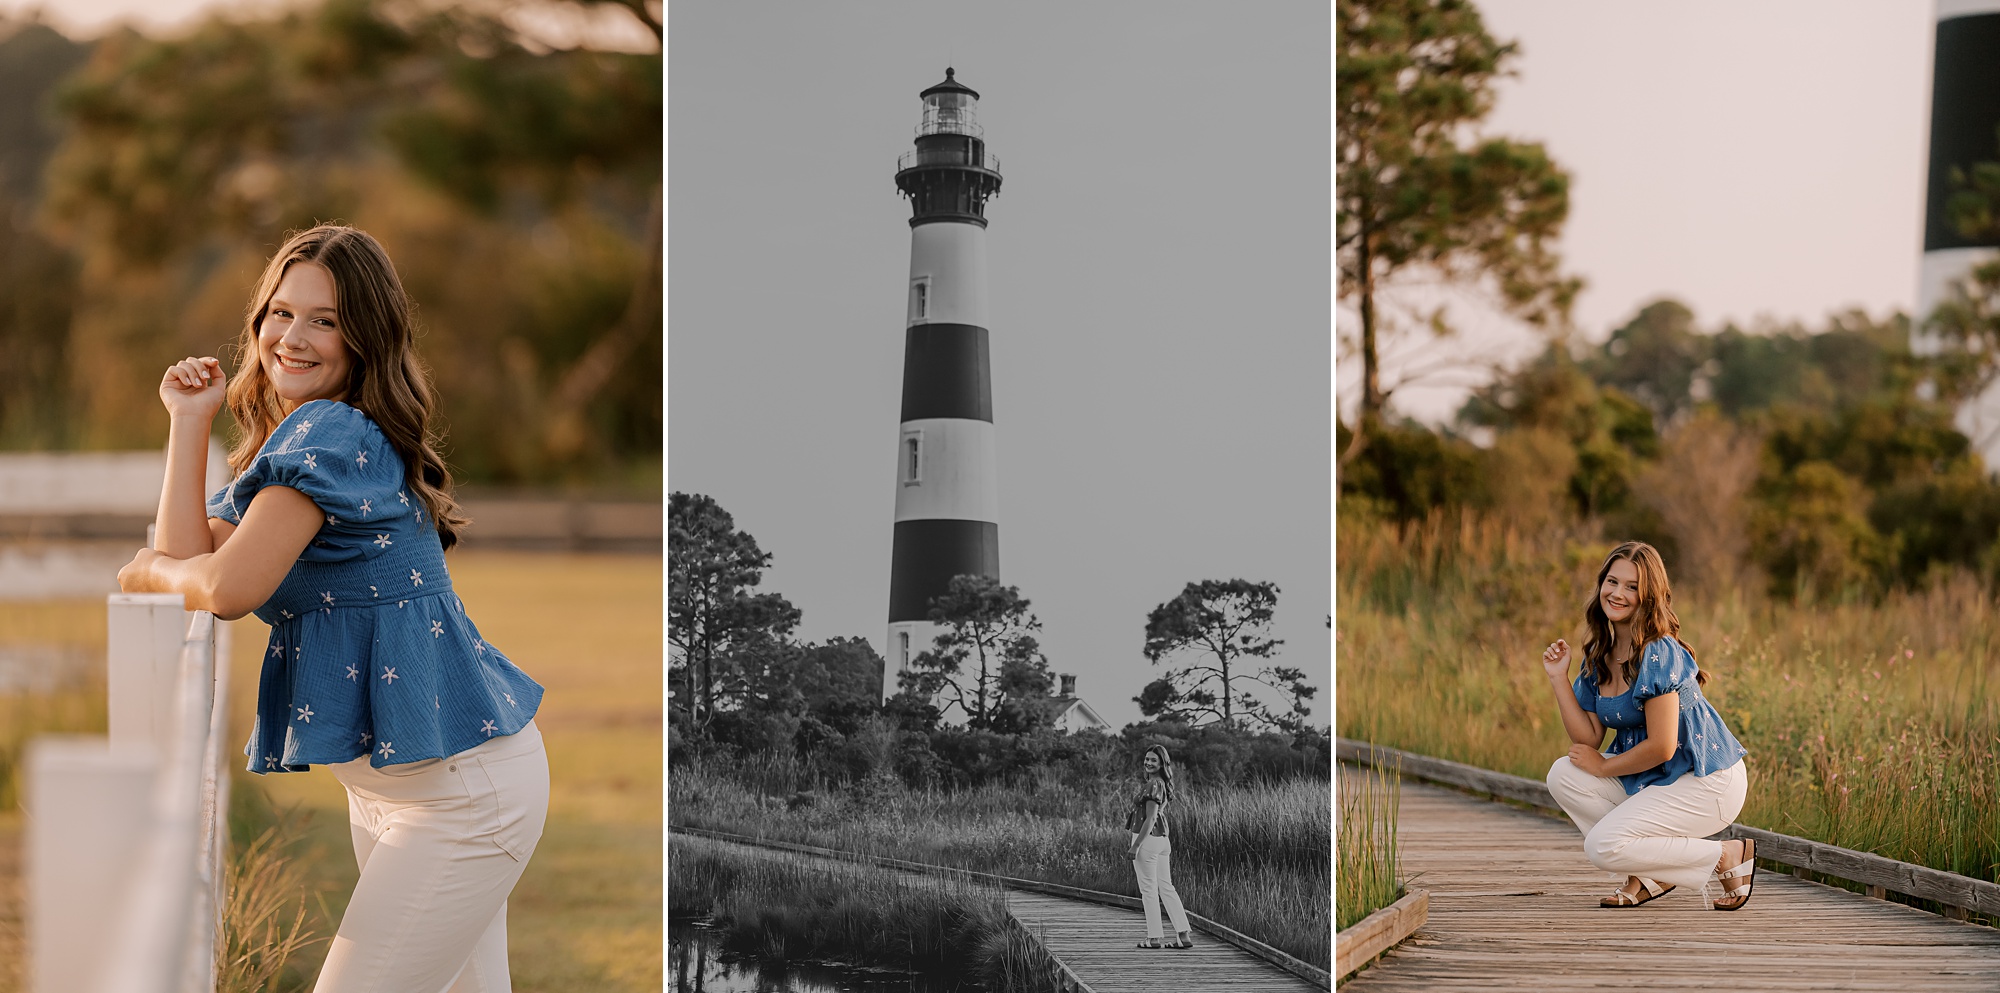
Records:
x=1648, y=892
x=1149, y=944
x=1734, y=897
x=1177, y=943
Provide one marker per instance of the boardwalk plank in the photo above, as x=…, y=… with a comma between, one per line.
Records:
x=1514, y=907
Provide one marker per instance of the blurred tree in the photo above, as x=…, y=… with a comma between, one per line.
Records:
x=518, y=189
x=1412, y=77
x=1809, y=534
x=723, y=640
x=986, y=661
x=1657, y=358
x=1412, y=471
x=840, y=681
x=1611, y=433
x=1227, y=622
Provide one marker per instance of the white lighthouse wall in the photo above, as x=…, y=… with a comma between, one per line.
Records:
x=894, y=660
x=956, y=478
x=952, y=257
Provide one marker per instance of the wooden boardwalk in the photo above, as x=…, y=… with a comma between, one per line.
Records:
x=1513, y=906
x=1096, y=942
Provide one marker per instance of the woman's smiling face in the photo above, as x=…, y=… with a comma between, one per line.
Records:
x=1152, y=761
x=299, y=343
x=1618, y=595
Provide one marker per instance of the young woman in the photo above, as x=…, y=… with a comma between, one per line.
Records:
x=333, y=532
x=1674, y=774
x=1150, y=849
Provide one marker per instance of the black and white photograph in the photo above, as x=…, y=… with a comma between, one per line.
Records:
x=999, y=472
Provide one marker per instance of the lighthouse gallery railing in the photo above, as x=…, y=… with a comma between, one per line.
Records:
x=126, y=835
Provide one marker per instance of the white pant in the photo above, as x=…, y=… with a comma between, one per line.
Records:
x=441, y=843
x=1156, y=886
x=1659, y=833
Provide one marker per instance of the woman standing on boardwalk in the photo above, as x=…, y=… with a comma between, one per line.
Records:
x=1674, y=774
x=1150, y=850
x=334, y=532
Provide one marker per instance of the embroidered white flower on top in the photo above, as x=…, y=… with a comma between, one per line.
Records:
x=361, y=459
x=366, y=508
x=437, y=629
x=312, y=461
x=353, y=673
x=487, y=726
x=386, y=750
x=288, y=614
x=303, y=428
x=510, y=700
x=416, y=578
x=389, y=675
x=305, y=713
x=479, y=646
x=277, y=650
x=327, y=596
x=382, y=541
x=372, y=591
x=332, y=520
x=405, y=497
x=366, y=737
x=270, y=761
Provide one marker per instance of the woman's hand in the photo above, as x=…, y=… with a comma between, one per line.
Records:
x=134, y=577
x=1588, y=759
x=1132, y=850
x=193, y=387
x=1555, y=660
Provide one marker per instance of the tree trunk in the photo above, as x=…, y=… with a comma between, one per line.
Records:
x=1371, y=370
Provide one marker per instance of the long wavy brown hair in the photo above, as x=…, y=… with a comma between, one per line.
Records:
x=385, y=381
x=1652, y=616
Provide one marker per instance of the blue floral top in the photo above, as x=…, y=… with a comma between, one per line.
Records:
x=371, y=653
x=1705, y=742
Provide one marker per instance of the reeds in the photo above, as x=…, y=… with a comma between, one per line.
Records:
x=264, y=918
x=1370, y=875
x=1869, y=725
x=1255, y=858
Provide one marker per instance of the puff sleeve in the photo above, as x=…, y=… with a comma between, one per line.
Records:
x=1666, y=668
x=340, y=460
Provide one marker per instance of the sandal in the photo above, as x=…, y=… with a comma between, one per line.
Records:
x=1734, y=897
x=1149, y=944
x=1648, y=892
x=1178, y=944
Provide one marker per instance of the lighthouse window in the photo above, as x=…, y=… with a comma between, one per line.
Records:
x=920, y=300
x=902, y=649
x=913, y=458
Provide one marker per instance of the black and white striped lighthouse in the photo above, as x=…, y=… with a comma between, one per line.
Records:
x=1965, y=117
x=947, y=488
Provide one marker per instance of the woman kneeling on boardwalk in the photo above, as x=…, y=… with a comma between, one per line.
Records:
x=1674, y=774
x=334, y=532
x=1150, y=850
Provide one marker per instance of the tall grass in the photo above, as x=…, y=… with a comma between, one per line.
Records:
x=1255, y=858
x=1370, y=875
x=781, y=906
x=1869, y=725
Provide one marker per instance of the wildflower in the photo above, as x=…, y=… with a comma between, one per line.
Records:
x=1908, y=654
x=1864, y=698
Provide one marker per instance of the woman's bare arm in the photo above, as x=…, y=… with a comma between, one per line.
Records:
x=1582, y=728
x=237, y=578
x=192, y=390
x=1663, y=735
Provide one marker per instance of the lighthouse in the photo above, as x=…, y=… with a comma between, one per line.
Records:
x=947, y=492
x=1965, y=115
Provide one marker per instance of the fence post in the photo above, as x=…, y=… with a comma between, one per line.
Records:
x=91, y=810
x=145, y=631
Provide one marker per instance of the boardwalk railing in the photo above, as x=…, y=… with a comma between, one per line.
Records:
x=1956, y=893
x=126, y=835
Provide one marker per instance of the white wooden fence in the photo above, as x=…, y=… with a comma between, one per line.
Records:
x=125, y=837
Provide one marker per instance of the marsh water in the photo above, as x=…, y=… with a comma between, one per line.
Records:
x=698, y=965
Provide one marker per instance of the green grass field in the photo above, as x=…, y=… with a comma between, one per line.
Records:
x=587, y=912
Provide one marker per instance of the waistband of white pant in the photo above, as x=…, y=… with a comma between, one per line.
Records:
x=402, y=780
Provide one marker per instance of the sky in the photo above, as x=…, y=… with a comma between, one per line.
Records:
x=1750, y=159
x=1160, y=284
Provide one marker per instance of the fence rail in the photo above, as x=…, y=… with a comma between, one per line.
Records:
x=126, y=835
